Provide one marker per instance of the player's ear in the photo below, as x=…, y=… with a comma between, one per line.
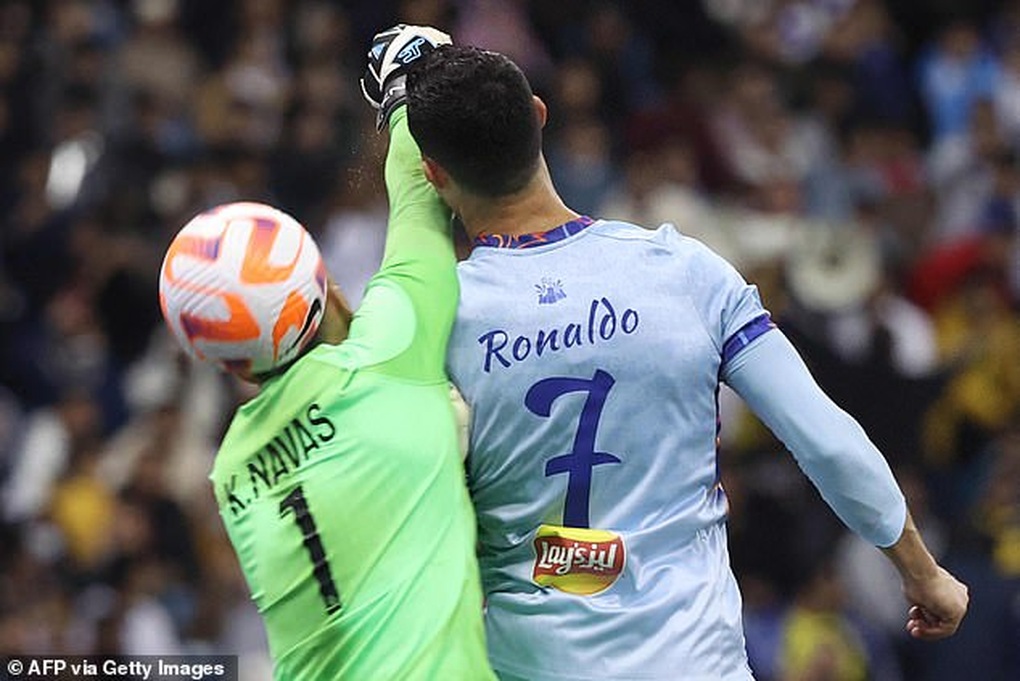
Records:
x=541, y=110
x=434, y=173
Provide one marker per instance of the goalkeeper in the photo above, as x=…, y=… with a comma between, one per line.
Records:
x=340, y=483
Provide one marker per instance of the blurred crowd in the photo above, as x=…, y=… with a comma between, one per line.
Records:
x=859, y=160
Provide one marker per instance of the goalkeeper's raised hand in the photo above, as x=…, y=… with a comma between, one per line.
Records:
x=393, y=52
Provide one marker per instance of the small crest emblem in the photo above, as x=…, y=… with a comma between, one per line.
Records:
x=549, y=291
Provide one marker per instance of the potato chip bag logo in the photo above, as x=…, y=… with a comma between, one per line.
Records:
x=577, y=560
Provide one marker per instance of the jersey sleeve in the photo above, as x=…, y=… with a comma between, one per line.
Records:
x=729, y=307
x=829, y=445
x=403, y=323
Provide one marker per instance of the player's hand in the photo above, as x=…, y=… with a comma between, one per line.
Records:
x=938, y=604
x=393, y=52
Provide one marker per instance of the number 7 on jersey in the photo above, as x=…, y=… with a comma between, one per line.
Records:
x=582, y=458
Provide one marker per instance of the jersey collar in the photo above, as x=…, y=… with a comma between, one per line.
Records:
x=534, y=239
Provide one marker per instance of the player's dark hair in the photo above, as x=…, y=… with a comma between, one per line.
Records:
x=472, y=112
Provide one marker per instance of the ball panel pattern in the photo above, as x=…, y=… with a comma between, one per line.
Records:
x=243, y=286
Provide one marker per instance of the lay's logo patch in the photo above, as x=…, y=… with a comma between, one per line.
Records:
x=577, y=560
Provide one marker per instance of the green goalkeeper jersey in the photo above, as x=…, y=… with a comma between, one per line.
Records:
x=341, y=484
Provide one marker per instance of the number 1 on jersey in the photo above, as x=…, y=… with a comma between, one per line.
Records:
x=296, y=502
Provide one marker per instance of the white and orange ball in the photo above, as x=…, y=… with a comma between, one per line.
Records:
x=243, y=286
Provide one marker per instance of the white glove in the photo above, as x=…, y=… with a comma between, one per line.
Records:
x=393, y=52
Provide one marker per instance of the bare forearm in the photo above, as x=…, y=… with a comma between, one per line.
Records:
x=910, y=555
x=938, y=601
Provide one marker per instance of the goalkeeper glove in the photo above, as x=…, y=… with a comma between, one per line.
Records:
x=393, y=52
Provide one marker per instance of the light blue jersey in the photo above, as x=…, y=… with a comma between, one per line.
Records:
x=592, y=366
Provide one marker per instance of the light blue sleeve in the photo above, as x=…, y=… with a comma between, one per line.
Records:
x=726, y=303
x=829, y=445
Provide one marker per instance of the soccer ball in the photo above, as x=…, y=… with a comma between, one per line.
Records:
x=243, y=286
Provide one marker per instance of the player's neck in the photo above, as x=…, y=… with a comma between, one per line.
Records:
x=536, y=208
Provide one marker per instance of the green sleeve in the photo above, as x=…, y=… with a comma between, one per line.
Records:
x=404, y=321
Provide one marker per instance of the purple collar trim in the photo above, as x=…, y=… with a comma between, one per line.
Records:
x=531, y=240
